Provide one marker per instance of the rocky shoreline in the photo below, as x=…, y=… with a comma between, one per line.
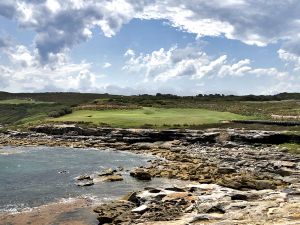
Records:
x=237, y=176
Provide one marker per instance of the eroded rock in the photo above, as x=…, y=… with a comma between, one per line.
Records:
x=140, y=174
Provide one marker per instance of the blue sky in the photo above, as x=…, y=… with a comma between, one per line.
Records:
x=136, y=47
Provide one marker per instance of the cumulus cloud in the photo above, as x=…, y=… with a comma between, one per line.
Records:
x=257, y=22
x=25, y=73
x=190, y=62
x=62, y=24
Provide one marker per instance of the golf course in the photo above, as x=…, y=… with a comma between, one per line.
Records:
x=156, y=117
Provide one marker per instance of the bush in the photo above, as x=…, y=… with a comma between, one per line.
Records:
x=60, y=112
x=147, y=126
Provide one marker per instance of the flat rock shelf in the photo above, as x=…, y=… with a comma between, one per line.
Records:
x=230, y=176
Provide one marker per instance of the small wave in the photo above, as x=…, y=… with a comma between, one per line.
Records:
x=22, y=208
x=97, y=200
x=10, y=151
x=14, y=208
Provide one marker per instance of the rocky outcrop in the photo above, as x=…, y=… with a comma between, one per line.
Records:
x=165, y=205
x=112, y=178
x=131, y=136
x=240, y=176
x=107, y=175
x=85, y=183
x=262, y=137
x=140, y=174
x=114, y=212
x=268, y=122
x=127, y=135
x=203, y=204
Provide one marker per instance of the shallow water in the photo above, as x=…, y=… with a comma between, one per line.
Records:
x=29, y=176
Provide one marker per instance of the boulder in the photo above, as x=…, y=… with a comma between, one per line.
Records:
x=117, y=212
x=83, y=177
x=85, y=184
x=131, y=197
x=264, y=184
x=239, y=197
x=205, y=217
x=140, y=210
x=107, y=172
x=112, y=178
x=226, y=170
x=283, y=171
x=140, y=174
x=105, y=219
x=152, y=190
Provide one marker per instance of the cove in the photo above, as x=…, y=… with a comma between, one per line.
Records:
x=32, y=176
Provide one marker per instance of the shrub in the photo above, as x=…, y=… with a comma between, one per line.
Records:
x=147, y=126
x=60, y=112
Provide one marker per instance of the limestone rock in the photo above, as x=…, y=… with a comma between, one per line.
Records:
x=112, y=178
x=131, y=197
x=141, y=209
x=140, y=174
x=85, y=183
x=83, y=177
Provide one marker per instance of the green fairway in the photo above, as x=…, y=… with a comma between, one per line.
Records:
x=157, y=117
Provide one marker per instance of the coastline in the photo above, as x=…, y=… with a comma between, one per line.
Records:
x=206, y=157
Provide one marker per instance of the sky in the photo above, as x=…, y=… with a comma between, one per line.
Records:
x=150, y=46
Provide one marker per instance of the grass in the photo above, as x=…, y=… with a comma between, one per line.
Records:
x=20, y=101
x=151, y=117
x=18, y=114
x=292, y=147
x=65, y=98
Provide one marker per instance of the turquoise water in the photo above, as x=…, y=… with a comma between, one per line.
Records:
x=29, y=176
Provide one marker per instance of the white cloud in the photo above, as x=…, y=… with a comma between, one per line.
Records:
x=257, y=22
x=290, y=84
x=163, y=65
x=62, y=24
x=25, y=73
x=186, y=19
x=21, y=55
x=129, y=52
x=53, y=5
x=106, y=65
x=273, y=72
x=290, y=59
